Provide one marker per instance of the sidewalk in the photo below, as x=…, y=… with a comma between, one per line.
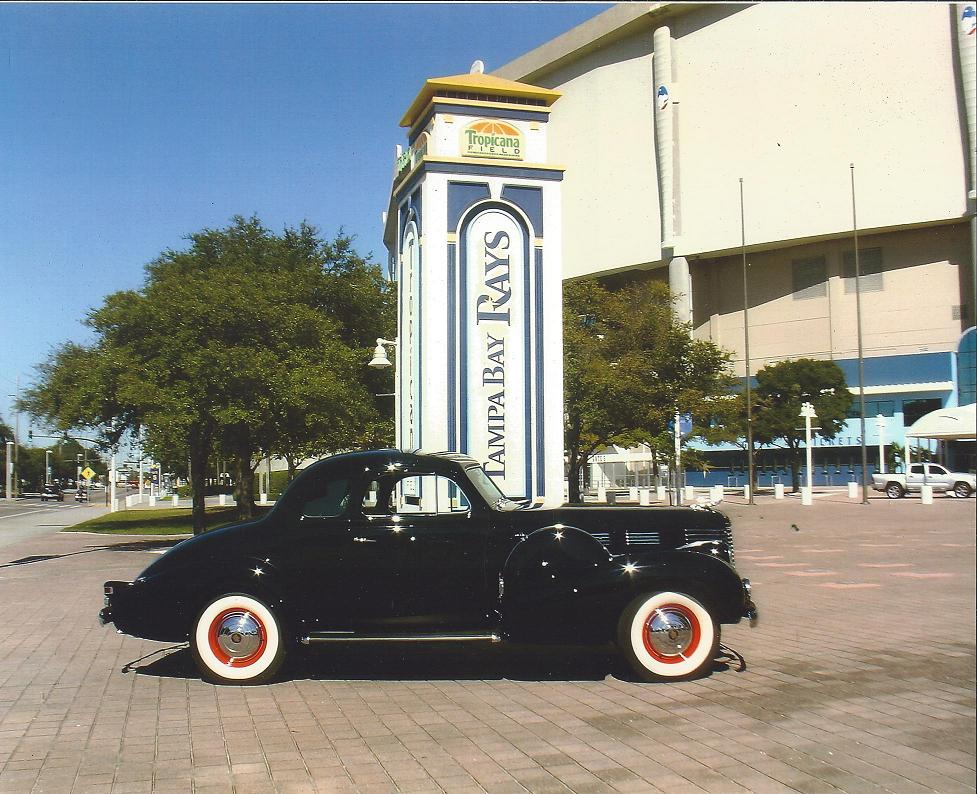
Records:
x=859, y=678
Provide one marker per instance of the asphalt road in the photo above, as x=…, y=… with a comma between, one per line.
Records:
x=24, y=519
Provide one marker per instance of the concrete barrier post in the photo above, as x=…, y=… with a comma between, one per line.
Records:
x=689, y=493
x=152, y=500
x=746, y=492
x=633, y=494
x=926, y=494
x=806, y=497
x=644, y=497
x=601, y=494
x=176, y=500
x=853, y=490
x=778, y=490
x=660, y=493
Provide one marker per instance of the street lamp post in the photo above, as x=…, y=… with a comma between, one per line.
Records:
x=47, y=467
x=807, y=411
x=880, y=424
x=380, y=361
x=9, y=463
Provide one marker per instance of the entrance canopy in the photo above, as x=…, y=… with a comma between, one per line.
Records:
x=947, y=424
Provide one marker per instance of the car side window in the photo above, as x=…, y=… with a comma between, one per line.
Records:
x=916, y=468
x=429, y=494
x=328, y=499
x=937, y=470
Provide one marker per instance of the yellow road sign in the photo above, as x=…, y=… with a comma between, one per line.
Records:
x=87, y=473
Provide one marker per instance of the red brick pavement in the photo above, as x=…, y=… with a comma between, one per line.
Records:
x=860, y=678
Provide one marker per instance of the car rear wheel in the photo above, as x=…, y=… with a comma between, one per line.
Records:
x=894, y=490
x=961, y=490
x=667, y=636
x=237, y=640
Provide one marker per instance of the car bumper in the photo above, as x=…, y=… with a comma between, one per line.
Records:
x=750, y=610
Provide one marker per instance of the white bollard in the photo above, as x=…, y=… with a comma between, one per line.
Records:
x=746, y=492
x=222, y=499
x=716, y=493
x=806, y=498
x=660, y=494
x=152, y=500
x=176, y=500
x=853, y=490
x=601, y=494
x=689, y=493
x=926, y=494
x=633, y=494
x=778, y=490
x=644, y=497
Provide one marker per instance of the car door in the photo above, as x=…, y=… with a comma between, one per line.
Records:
x=338, y=573
x=442, y=584
x=914, y=477
x=938, y=477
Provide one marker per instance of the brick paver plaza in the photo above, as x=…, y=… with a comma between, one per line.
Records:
x=859, y=678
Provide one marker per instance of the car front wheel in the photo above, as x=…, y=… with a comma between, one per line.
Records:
x=893, y=490
x=961, y=490
x=667, y=636
x=237, y=640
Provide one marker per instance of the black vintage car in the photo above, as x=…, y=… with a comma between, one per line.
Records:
x=398, y=546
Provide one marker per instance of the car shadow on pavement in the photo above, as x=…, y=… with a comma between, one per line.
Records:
x=133, y=545
x=435, y=662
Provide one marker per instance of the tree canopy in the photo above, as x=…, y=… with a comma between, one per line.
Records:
x=628, y=364
x=780, y=391
x=245, y=342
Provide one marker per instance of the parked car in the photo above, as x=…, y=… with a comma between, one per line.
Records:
x=52, y=492
x=395, y=546
x=920, y=474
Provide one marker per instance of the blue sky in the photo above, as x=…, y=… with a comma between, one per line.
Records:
x=124, y=127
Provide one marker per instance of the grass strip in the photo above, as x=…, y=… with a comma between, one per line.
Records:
x=167, y=521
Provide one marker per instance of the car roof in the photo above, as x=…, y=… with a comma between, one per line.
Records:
x=382, y=458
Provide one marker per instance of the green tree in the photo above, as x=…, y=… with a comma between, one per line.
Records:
x=782, y=388
x=225, y=344
x=627, y=365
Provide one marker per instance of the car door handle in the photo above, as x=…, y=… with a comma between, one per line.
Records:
x=364, y=540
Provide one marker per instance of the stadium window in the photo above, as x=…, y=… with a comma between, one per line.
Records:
x=870, y=265
x=810, y=277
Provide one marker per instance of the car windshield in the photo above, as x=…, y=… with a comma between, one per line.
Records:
x=488, y=490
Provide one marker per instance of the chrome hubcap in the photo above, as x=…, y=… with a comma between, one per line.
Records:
x=669, y=632
x=239, y=635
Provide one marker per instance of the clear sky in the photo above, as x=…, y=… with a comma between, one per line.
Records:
x=123, y=127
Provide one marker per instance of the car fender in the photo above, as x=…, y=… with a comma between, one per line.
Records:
x=561, y=585
x=166, y=603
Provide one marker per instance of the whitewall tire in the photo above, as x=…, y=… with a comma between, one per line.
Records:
x=237, y=640
x=667, y=635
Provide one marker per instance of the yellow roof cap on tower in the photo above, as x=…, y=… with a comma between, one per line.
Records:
x=477, y=83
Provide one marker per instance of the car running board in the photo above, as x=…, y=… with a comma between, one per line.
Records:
x=350, y=636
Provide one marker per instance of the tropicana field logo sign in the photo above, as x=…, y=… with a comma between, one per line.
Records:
x=492, y=139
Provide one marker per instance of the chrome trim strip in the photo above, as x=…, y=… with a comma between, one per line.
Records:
x=340, y=637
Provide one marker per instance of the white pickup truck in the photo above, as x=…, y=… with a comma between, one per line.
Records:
x=920, y=474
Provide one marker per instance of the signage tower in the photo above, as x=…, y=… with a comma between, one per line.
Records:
x=473, y=232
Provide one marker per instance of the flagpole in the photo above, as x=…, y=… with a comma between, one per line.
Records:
x=746, y=354
x=858, y=321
